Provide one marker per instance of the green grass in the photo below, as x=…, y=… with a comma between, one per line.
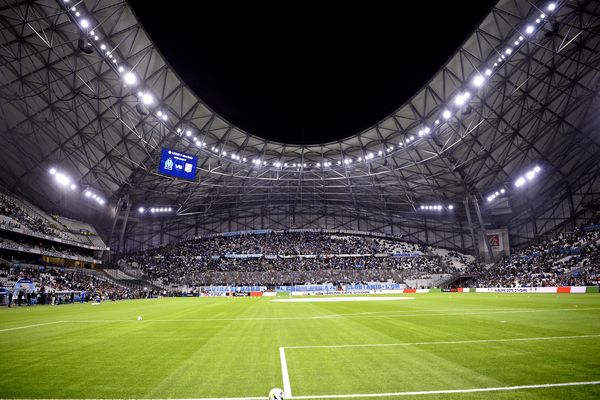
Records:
x=229, y=347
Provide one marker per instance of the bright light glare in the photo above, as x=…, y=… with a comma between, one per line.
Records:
x=520, y=182
x=73, y=187
x=62, y=179
x=459, y=100
x=530, y=175
x=52, y=171
x=130, y=78
x=88, y=193
x=147, y=98
x=537, y=169
x=488, y=72
x=84, y=23
x=446, y=114
x=478, y=80
x=141, y=209
x=551, y=7
x=529, y=29
x=450, y=207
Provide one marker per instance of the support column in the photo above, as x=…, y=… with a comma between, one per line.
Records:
x=487, y=243
x=124, y=226
x=470, y=221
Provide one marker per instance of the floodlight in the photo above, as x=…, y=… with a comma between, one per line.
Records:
x=437, y=121
x=77, y=14
x=101, y=202
x=147, y=99
x=502, y=191
x=450, y=207
x=84, y=23
x=520, y=182
x=478, y=80
x=88, y=193
x=537, y=21
x=141, y=209
x=459, y=100
x=121, y=69
x=73, y=187
x=446, y=114
x=551, y=7
x=52, y=171
x=542, y=15
x=530, y=175
x=421, y=132
x=130, y=78
x=159, y=113
x=508, y=51
x=62, y=179
x=165, y=117
x=537, y=169
x=529, y=29
x=426, y=130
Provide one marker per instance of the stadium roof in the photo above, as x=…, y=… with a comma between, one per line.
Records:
x=521, y=91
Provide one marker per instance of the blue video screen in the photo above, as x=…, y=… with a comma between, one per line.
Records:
x=179, y=165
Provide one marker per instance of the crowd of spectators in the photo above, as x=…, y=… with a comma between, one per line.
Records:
x=52, y=283
x=23, y=217
x=285, y=258
x=568, y=258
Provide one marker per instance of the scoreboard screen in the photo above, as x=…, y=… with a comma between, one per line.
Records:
x=178, y=165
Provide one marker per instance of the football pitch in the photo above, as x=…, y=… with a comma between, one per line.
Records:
x=435, y=345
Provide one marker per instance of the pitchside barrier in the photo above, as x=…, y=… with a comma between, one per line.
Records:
x=545, y=289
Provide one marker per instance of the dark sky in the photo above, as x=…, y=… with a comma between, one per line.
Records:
x=301, y=73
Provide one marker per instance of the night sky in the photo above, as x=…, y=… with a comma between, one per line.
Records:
x=301, y=73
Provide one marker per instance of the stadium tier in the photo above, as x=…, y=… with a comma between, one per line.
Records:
x=411, y=212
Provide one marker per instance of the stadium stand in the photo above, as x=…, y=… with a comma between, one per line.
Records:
x=568, y=258
x=291, y=257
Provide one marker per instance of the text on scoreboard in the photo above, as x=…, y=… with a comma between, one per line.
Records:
x=179, y=165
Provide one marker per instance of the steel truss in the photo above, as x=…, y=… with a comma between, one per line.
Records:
x=61, y=106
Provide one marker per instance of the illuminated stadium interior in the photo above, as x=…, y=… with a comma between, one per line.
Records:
x=120, y=182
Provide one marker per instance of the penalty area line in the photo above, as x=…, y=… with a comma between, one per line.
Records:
x=287, y=388
x=473, y=341
x=417, y=393
x=449, y=391
x=16, y=328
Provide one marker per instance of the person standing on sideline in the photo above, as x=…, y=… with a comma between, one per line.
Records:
x=82, y=296
x=28, y=297
x=20, y=298
x=53, y=296
x=10, y=297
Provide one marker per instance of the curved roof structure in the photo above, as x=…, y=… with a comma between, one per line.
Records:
x=521, y=91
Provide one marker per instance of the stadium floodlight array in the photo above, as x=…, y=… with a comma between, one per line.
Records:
x=528, y=176
x=62, y=178
x=491, y=197
x=448, y=108
x=159, y=210
x=435, y=207
x=89, y=194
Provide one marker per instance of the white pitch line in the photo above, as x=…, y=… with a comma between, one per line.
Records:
x=287, y=388
x=445, y=342
x=29, y=326
x=346, y=396
x=336, y=316
x=449, y=391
